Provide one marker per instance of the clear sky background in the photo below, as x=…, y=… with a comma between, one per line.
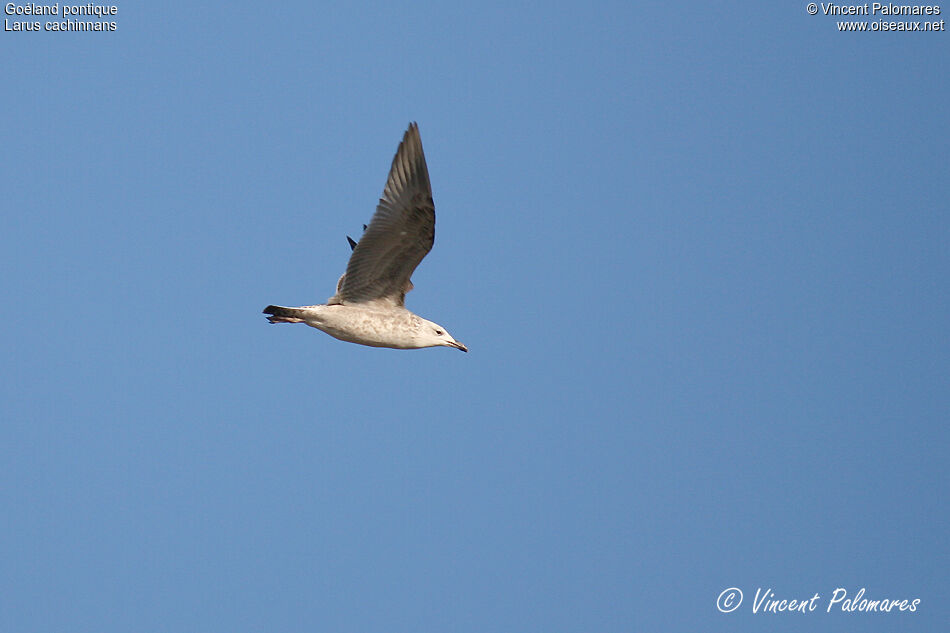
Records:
x=699, y=253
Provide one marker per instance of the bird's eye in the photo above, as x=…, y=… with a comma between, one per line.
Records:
x=438, y=332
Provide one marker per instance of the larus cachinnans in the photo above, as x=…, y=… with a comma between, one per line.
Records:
x=369, y=305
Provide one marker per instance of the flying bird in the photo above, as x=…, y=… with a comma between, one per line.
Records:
x=369, y=305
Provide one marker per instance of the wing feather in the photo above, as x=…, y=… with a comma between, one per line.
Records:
x=398, y=237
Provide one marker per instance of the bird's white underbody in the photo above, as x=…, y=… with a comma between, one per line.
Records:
x=393, y=327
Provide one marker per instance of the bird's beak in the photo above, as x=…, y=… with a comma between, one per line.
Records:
x=458, y=345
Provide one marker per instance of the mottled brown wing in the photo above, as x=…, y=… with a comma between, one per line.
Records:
x=400, y=234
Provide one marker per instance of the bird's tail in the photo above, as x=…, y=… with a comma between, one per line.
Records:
x=280, y=314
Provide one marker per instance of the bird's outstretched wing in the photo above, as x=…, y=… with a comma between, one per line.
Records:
x=400, y=234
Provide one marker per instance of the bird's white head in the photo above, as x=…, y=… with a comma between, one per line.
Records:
x=432, y=335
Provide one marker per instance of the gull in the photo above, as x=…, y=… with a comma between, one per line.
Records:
x=369, y=305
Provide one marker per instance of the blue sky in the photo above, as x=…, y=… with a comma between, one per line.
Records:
x=699, y=254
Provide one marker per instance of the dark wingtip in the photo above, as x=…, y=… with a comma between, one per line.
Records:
x=270, y=310
x=352, y=243
x=412, y=131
